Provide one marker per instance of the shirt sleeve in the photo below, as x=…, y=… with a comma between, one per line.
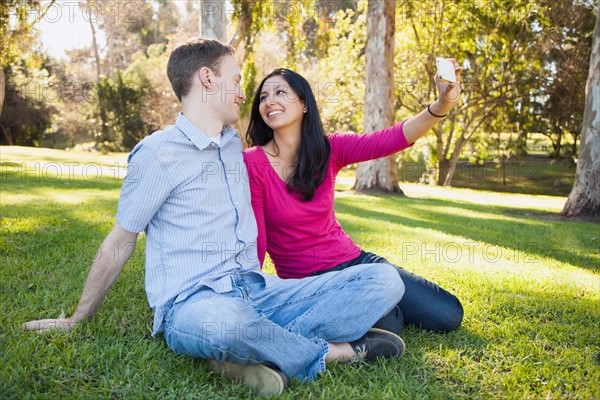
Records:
x=349, y=148
x=258, y=204
x=145, y=188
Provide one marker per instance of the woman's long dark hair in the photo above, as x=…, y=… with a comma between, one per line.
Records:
x=313, y=153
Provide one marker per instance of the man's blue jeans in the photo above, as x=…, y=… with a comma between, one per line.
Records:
x=287, y=324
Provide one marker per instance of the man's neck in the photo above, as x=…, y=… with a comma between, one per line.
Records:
x=203, y=118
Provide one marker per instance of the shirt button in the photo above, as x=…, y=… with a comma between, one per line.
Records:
x=240, y=233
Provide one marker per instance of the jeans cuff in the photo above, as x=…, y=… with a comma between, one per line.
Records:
x=321, y=363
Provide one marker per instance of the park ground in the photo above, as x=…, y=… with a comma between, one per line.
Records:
x=529, y=281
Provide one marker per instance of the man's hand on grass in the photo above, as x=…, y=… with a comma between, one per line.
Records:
x=46, y=325
x=103, y=273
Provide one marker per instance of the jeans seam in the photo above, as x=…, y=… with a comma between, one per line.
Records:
x=200, y=339
x=316, y=294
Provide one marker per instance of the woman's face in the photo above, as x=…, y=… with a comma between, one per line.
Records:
x=280, y=107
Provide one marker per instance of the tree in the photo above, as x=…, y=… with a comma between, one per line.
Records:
x=340, y=73
x=12, y=37
x=130, y=29
x=567, y=36
x=25, y=83
x=379, y=105
x=27, y=112
x=146, y=74
x=213, y=21
x=495, y=41
x=123, y=108
x=584, y=199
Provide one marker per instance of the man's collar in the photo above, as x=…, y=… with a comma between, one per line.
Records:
x=198, y=137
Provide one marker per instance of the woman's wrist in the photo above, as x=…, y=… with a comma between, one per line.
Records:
x=438, y=109
x=434, y=114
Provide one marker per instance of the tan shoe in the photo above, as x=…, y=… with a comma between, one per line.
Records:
x=263, y=381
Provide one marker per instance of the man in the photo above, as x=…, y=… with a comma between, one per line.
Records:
x=187, y=188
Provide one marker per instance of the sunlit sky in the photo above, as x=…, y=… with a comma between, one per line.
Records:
x=66, y=25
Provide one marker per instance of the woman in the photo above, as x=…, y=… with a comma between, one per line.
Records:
x=292, y=170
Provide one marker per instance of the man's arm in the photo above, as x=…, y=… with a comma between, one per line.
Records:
x=106, y=268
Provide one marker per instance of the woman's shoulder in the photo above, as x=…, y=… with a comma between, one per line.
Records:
x=340, y=136
x=252, y=153
x=254, y=160
x=341, y=139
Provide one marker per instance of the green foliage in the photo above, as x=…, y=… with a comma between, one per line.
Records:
x=304, y=27
x=567, y=33
x=252, y=17
x=153, y=24
x=501, y=46
x=525, y=64
x=340, y=75
x=250, y=86
x=25, y=109
x=28, y=104
x=293, y=30
x=16, y=27
x=527, y=279
x=147, y=75
x=138, y=100
x=123, y=107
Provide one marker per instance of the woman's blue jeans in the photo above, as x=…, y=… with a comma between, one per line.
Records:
x=424, y=304
x=288, y=323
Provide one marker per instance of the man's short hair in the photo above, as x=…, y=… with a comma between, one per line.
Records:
x=187, y=58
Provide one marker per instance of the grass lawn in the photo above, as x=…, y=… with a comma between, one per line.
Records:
x=529, y=282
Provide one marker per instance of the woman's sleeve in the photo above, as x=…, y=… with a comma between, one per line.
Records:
x=351, y=148
x=257, y=198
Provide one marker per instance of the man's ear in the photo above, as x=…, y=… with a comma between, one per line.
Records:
x=205, y=75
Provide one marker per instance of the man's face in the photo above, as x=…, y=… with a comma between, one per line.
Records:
x=227, y=94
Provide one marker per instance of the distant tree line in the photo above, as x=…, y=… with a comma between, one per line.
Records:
x=525, y=62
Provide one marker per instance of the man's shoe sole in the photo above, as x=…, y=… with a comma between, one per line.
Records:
x=263, y=381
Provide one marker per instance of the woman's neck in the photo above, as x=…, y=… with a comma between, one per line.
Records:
x=284, y=145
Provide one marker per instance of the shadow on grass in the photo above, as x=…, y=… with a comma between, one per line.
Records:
x=519, y=230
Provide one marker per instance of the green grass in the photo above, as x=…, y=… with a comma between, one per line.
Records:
x=529, y=282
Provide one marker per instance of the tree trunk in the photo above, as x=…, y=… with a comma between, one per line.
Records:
x=379, y=174
x=7, y=135
x=584, y=199
x=213, y=20
x=522, y=142
x=444, y=166
x=558, y=144
x=448, y=166
x=101, y=104
x=2, y=87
